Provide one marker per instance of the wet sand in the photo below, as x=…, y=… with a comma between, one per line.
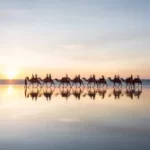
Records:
x=90, y=120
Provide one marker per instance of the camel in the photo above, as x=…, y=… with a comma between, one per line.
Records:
x=90, y=81
x=46, y=81
x=128, y=82
x=76, y=80
x=132, y=82
x=101, y=81
x=137, y=82
x=116, y=81
x=64, y=81
x=32, y=81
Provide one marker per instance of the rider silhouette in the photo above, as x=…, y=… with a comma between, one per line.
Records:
x=131, y=77
x=118, y=77
x=36, y=77
x=47, y=76
x=67, y=76
x=115, y=77
x=32, y=76
x=93, y=76
x=50, y=76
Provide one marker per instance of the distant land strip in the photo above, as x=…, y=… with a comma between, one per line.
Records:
x=21, y=81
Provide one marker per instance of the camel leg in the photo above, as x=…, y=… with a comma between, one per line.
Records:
x=141, y=86
x=59, y=85
x=72, y=84
x=80, y=84
x=121, y=85
x=37, y=85
x=54, y=84
x=88, y=84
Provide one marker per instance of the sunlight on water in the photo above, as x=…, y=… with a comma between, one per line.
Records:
x=10, y=90
x=78, y=118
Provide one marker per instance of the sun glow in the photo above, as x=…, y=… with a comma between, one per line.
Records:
x=11, y=72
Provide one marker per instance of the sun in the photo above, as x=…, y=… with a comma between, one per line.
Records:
x=11, y=72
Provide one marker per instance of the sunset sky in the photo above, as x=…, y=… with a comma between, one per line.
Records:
x=74, y=36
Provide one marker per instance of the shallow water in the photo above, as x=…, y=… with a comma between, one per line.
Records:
x=77, y=119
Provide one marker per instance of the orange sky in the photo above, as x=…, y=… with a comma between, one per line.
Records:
x=101, y=37
x=57, y=73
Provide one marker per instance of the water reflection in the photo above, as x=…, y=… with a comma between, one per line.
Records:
x=132, y=93
x=92, y=93
x=116, y=93
x=10, y=90
x=65, y=118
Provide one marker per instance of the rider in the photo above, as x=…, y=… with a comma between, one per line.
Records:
x=79, y=76
x=32, y=76
x=103, y=77
x=93, y=76
x=118, y=77
x=47, y=76
x=115, y=77
x=36, y=76
x=67, y=76
x=131, y=77
x=50, y=76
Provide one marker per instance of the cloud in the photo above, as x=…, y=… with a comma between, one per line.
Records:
x=72, y=46
x=70, y=120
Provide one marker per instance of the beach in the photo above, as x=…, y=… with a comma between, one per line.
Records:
x=106, y=121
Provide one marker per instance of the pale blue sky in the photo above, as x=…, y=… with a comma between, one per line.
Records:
x=109, y=35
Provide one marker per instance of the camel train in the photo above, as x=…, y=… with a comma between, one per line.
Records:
x=77, y=81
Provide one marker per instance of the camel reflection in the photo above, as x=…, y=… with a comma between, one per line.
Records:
x=131, y=93
x=116, y=93
x=48, y=93
x=102, y=92
x=64, y=92
x=91, y=93
x=76, y=92
x=137, y=93
x=34, y=93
